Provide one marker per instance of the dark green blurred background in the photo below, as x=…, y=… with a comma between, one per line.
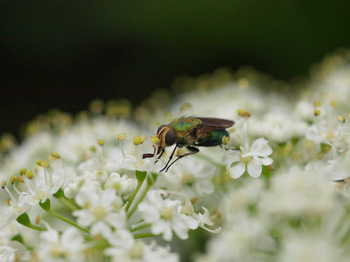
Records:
x=63, y=54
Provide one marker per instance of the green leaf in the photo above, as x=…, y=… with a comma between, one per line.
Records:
x=59, y=193
x=46, y=205
x=18, y=238
x=24, y=219
x=141, y=175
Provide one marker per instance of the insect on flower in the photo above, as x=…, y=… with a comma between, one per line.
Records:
x=190, y=132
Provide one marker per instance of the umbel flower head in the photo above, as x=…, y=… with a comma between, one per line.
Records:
x=89, y=188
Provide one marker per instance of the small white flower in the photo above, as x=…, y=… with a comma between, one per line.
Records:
x=121, y=184
x=250, y=159
x=165, y=216
x=99, y=207
x=69, y=246
x=7, y=253
x=139, y=251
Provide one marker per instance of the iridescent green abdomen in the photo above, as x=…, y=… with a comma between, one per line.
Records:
x=213, y=138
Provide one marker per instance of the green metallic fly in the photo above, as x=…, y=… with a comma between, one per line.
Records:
x=190, y=132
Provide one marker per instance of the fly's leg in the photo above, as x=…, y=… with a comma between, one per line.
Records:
x=149, y=155
x=193, y=150
x=171, y=156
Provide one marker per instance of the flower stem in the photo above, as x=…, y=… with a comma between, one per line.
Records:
x=139, y=227
x=68, y=203
x=131, y=212
x=35, y=227
x=139, y=184
x=53, y=213
x=143, y=235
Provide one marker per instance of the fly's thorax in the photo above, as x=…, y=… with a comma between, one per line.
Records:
x=166, y=135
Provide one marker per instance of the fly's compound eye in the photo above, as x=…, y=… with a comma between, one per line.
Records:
x=170, y=137
x=160, y=128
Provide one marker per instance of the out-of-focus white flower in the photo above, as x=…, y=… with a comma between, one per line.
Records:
x=297, y=194
x=139, y=251
x=250, y=159
x=165, y=216
x=310, y=248
x=7, y=253
x=69, y=246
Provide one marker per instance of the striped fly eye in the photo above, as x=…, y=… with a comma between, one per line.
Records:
x=160, y=128
x=170, y=137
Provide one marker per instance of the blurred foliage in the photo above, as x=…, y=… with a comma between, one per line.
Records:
x=64, y=54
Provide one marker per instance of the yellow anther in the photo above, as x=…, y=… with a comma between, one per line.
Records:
x=55, y=155
x=243, y=113
x=334, y=104
x=42, y=163
x=225, y=140
x=317, y=112
x=37, y=220
x=29, y=174
x=317, y=104
x=100, y=142
x=121, y=136
x=341, y=119
x=154, y=139
x=143, y=139
x=92, y=148
x=137, y=140
x=3, y=184
x=13, y=179
x=20, y=179
x=22, y=172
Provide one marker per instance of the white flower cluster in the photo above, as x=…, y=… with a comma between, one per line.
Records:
x=276, y=191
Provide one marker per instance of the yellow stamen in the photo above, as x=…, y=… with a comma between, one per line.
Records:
x=317, y=112
x=243, y=113
x=42, y=163
x=341, y=119
x=29, y=174
x=100, y=142
x=317, y=103
x=13, y=179
x=137, y=140
x=225, y=140
x=334, y=104
x=55, y=155
x=121, y=136
x=22, y=172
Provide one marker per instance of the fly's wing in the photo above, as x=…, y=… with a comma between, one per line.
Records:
x=210, y=124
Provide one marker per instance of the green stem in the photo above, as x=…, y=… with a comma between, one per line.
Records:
x=35, y=227
x=53, y=213
x=68, y=203
x=142, y=226
x=144, y=235
x=132, y=211
x=139, y=184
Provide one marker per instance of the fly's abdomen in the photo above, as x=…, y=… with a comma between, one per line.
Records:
x=213, y=138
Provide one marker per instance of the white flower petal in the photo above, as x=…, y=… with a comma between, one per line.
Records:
x=254, y=168
x=266, y=161
x=260, y=147
x=236, y=170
